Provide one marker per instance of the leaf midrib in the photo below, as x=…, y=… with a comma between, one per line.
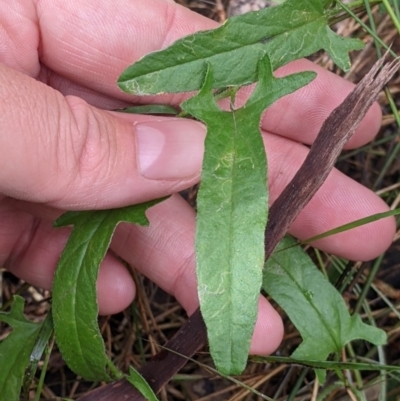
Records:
x=325, y=323
x=177, y=63
x=87, y=244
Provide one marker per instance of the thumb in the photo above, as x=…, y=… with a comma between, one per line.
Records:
x=63, y=152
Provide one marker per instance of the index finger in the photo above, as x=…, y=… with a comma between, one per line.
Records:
x=93, y=42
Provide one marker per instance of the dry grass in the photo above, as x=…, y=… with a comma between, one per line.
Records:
x=133, y=336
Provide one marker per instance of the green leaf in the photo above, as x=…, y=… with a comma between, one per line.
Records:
x=16, y=349
x=313, y=305
x=294, y=29
x=327, y=365
x=137, y=381
x=75, y=307
x=353, y=224
x=42, y=341
x=232, y=212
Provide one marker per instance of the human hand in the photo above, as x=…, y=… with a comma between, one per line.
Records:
x=61, y=150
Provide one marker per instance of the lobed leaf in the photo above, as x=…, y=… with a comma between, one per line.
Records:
x=313, y=305
x=75, y=307
x=16, y=349
x=294, y=29
x=232, y=212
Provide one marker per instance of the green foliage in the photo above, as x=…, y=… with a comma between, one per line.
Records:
x=16, y=349
x=137, y=380
x=294, y=29
x=40, y=348
x=75, y=307
x=313, y=305
x=327, y=365
x=232, y=206
x=353, y=224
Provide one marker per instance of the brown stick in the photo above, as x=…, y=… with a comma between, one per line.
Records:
x=159, y=369
x=335, y=132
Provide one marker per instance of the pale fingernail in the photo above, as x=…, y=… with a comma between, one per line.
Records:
x=169, y=150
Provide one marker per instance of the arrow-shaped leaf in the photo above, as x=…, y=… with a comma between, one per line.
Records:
x=232, y=212
x=294, y=29
x=294, y=282
x=75, y=307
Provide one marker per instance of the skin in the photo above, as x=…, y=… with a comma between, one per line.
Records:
x=60, y=149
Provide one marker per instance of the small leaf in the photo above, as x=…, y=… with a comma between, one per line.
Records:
x=232, y=212
x=313, y=305
x=42, y=341
x=75, y=307
x=137, y=381
x=16, y=349
x=294, y=29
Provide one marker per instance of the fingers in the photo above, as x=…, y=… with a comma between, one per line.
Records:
x=300, y=115
x=65, y=153
x=97, y=52
x=339, y=201
x=33, y=248
x=164, y=253
x=30, y=248
x=268, y=330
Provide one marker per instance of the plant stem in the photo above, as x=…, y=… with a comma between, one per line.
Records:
x=393, y=155
x=368, y=283
x=44, y=369
x=392, y=14
x=371, y=32
x=336, y=130
x=298, y=384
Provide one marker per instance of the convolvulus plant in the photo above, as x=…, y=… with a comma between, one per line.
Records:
x=232, y=201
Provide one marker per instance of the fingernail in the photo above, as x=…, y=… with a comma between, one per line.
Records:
x=170, y=150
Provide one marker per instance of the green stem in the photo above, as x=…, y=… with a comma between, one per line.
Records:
x=298, y=384
x=369, y=147
x=355, y=6
x=373, y=27
x=358, y=3
x=392, y=104
x=396, y=9
x=368, y=283
x=44, y=369
x=329, y=390
x=376, y=38
x=396, y=150
x=393, y=155
x=115, y=373
x=356, y=373
x=392, y=15
x=381, y=356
